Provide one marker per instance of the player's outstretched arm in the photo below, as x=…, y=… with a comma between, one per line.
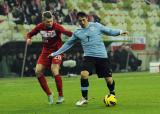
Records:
x=110, y=31
x=28, y=40
x=124, y=33
x=63, y=30
x=63, y=49
x=66, y=46
x=33, y=32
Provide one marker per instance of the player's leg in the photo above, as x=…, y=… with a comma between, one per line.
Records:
x=84, y=83
x=55, y=67
x=103, y=71
x=110, y=84
x=86, y=71
x=58, y=80
x=43, y=63
x=42, y=81
x=84, y=88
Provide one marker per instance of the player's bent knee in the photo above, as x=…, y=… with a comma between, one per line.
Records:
x=38, y=73
x=55, y=71
x=84, y=74
x=109, y=80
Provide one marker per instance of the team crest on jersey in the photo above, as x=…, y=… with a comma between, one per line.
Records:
x=46, y=34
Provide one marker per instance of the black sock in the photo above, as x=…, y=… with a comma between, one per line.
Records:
x=84, y=88
x=111, y=87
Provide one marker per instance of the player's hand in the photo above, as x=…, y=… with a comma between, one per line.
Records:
x=124, y=33
x=29, y=41
x=51, y=55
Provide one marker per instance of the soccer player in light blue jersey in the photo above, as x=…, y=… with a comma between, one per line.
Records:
x=95, y=54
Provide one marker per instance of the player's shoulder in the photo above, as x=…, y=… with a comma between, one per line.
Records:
x=55, y=24
x=92, y=23
x=95, y=24
x=40, y=25
x=78, y=30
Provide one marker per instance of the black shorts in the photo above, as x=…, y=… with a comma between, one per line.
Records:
x=100, y=65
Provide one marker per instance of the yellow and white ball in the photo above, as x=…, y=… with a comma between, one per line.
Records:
x=110, y=100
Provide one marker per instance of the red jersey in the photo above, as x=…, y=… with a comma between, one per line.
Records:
x=51, y=37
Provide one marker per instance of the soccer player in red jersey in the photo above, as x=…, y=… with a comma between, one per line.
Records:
x=51, y=38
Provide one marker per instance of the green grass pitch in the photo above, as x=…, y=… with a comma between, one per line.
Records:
x=137, y=93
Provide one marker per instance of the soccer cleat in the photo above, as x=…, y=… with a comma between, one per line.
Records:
x=81, y=102
x=50, y=99
x=60, y=100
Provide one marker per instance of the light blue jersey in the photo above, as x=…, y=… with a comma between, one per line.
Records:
x=91, y=40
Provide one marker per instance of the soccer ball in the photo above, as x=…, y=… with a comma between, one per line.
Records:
x=110, y=100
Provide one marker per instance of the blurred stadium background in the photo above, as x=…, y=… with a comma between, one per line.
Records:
x=129, y=53
x=132, y=57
